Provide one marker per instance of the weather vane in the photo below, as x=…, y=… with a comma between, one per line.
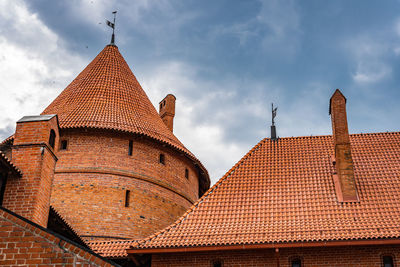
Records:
x=112, y=25
x=273, y=129
x=273, y=114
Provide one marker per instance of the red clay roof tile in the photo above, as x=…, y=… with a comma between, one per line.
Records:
x=111, y=248
x=106, y=95
x=283, y=191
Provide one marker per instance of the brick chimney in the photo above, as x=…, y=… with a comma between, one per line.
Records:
x=34, y=152
x=167, y=111
x=345, y=184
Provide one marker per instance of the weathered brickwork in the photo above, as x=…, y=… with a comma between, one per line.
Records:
x=29, y=195
x=344, y=178
x=354, y=256
x=23, y=244
x=94, y=172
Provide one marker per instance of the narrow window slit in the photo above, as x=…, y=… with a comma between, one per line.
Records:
x=130, y=148
x=162, y=159
x=127, y=197
x=186, y=173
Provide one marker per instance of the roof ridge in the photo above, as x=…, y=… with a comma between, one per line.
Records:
x=206, y=194
x=330, y=135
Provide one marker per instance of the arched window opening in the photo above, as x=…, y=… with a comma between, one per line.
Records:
x=52, y=138
x=296, y=262
x=162, y=159
x=387, y=261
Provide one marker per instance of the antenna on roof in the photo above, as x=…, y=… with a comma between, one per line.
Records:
x=112, y=25
x=273, y=129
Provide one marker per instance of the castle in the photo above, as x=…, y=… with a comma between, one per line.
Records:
x=99, y=179
x=103, y=158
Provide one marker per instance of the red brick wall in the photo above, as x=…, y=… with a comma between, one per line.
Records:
x=29, y=195
x=23, y=244
x=366, y=256
x=95, y=171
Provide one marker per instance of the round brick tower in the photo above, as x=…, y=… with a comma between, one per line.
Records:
x=121, y=172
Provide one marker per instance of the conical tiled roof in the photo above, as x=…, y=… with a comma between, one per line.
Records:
x=106, y=95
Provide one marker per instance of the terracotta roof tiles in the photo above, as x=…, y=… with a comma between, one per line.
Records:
x=107, y=95
x=283, y=191
x=111, y=248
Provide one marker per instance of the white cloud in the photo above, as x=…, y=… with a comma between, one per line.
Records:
x=34, y=65
x=206, y=112
x=371, y=71
x=276, y=27
x=371, y=54
x=369, y=57
x=280, y=16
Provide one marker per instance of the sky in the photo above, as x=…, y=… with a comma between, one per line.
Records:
x=226, y=61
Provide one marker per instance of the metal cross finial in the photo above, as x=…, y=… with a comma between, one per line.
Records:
x=112, y=25
x=274, y=110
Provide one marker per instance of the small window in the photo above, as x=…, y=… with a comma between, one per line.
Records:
x=127, y=197
x=186, y=173
x=387, y=261
x=164, y=103
x=64, y=144
x=162, y=159
x=130, y=149
x=52, y=138
x=217, y=263
x=296, y=262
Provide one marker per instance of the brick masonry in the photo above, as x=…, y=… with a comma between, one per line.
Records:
x=94, y=172
x=29, y=195
x=24, y=244
x=344, y=182
x=366, y=256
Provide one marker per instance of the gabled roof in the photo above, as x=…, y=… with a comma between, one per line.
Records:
x=283, y=192
x=107, y=95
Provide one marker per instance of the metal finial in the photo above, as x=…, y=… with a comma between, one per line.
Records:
x=273, y=129
x=112, y=25
x=274, y=110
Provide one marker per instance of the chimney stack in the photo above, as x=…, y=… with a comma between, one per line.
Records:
x=167, y=111
x=34, y=152
x=345, y=184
